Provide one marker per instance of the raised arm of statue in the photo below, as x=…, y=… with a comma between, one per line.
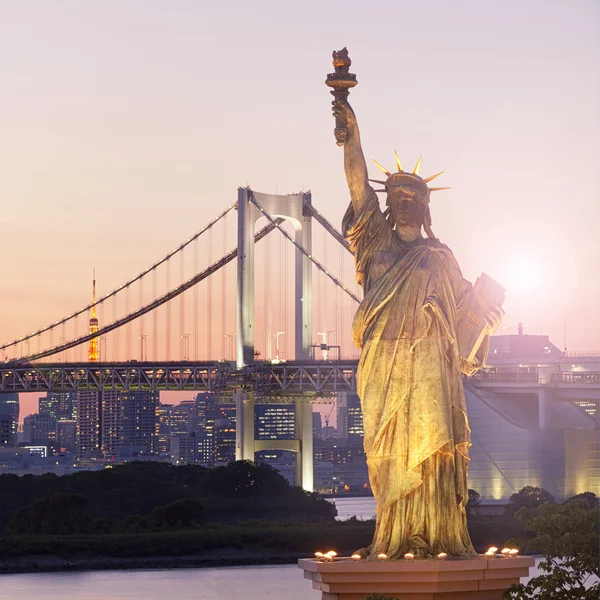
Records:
x=354, y=159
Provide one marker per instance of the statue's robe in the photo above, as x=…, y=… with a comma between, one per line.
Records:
x=409, y=382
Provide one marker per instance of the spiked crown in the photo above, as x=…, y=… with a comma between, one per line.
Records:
x=404, y=178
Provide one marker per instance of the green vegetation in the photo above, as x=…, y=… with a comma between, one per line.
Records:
x=529, y=497
x=567, y=535
x=259, y=536
x=148, y=496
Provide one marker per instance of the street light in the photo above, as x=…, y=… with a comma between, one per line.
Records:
x=276, y=336
x=566, y=338
x=230, y=337
x=186, y=345
x=143, y=346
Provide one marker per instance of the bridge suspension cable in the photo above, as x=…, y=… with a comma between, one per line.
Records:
x=125, y=286
x=303, y=251
x=328, y=227
x=213, y=268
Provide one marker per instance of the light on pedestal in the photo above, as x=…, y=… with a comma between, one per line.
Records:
x=355, y=557
x=382, y=556
x=409, y=556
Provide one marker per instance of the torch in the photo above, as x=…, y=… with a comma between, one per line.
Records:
x=341, y=81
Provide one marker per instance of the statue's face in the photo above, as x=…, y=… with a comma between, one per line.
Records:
x=405, y=206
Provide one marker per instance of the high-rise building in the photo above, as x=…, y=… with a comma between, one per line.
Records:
x=275, y=422
x=317, y=424
x=224, y=441
x=183, y=448
x=354, y=424
x=66, y=435
x=88, y=439
x=349, y=416
x=205, y=416
x=174, y=420
x=6, y=435
x=9, y=410
x=111, y=419
x=139, y=425
x=39, y=429
x=59, y=405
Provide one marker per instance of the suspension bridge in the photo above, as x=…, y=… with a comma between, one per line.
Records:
x=215, y=314
x=197, y=319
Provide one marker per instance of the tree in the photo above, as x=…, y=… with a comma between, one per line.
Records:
x=57, y=513
x=244, y=478
x=186, y=512
x=530, y=497
x=588, y=497
x=567, y=536
x=474, y=498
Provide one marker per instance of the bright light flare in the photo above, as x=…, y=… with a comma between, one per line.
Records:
x=524, y=275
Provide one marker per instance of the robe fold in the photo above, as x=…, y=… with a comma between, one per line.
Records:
x=409, y=382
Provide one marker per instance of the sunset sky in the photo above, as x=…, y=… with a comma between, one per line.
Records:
x=128, y=125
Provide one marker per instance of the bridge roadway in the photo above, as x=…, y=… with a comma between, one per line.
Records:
x=266, y=379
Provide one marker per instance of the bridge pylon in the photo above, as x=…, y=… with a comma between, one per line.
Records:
x=291, y=208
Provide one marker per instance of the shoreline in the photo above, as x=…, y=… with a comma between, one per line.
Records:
x=220, y=558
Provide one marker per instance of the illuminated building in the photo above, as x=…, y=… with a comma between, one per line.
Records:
x=110, y=415
x=534, y=420
x=59, y=405
x=39, y=428
x=349, y=416
x=66, y=434
x=87, y=405
x=317, y=425
x=138, y=426
x=9, y=415
x=224, y=441
x=6, y=435
x=275, y=422
x=174, y=422
x=182, y=449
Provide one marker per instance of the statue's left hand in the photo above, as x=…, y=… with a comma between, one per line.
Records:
x=493, y=319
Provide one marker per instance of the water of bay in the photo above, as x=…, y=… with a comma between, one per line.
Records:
x=228, y=583
x=361, y=508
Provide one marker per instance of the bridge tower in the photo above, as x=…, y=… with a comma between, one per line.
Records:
x=293, y=209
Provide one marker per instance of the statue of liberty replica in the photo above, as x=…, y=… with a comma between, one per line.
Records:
x=408, y=328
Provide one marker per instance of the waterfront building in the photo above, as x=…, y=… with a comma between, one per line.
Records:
x=534, y=420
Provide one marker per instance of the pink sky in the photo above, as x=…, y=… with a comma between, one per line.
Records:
x=126, y=126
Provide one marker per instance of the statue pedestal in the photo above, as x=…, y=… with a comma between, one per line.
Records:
x=478, y=578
